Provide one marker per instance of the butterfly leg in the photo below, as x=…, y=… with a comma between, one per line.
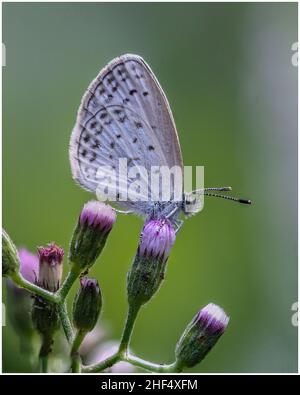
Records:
x=178, y=224
x=174, y=211
x=123, y=212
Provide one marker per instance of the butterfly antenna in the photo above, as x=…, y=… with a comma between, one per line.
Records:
x=243, y=201
x=223, y=189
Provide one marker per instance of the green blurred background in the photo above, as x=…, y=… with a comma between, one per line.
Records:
x=227, y=72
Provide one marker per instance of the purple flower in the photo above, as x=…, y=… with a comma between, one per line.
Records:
x=98, y=215
x=50, y=267
x=29, y=265
x=212, y=319
x=52, y=254
x=149, y=266
x=20, y=300
x=157, y=238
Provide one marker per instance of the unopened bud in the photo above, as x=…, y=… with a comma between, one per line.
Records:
x=201, y=335
x=87, y=305
x=44, y=313
x=50, y=267
x=95, y=223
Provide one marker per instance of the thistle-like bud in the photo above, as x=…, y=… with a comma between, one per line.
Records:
x=149, y=265
x=94, y=224
x=44, y=313
x=201, y=335
x=87, y=305
x=50, y=267
x=10, y=258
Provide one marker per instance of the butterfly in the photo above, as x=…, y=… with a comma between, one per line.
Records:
x=125, y=114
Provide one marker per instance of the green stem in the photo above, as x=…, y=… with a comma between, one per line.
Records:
x=65, y=321
x=118, y=356
x=136, y=361
x=45, y=350
x=76, y=364
x=98, y=367
x=62, y=306
x=75, y=357
x=21, y=282
x=44, y=364
x=69, y=281
x=127, y=331
x=152, y=367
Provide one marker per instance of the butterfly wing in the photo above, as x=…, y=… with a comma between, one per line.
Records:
x=123, y=114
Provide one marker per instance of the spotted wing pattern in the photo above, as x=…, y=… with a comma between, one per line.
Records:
x=123, y=114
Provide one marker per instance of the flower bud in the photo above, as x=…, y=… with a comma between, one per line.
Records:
x=50, y=267
x=10, y=259
x=45, y=318
x=44, y=313
x=87, y=305
x=94, y=224
x=201, y=335
x=149, y=265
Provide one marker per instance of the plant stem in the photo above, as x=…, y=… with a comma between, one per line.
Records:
x=136, y=361
x=45, y=350
x=152, y=367
x=21, y=282
x=118, y=356
x=65, y=321
x=98, y=367
x=76, y=361
x=62, y=306
x=69, y=281
x=76, y=364
x=127, y=331
x=44, y=364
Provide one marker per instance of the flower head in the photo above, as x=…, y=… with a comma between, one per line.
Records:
x=52, y=254
x=201, y=335
x=29, y=265
x=212, y=319
x=157, y=238
x=95, y=222
x=50, y=266
x=98, y=215
x=149, y=266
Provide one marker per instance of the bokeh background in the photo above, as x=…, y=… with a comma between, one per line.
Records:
x=227, y=71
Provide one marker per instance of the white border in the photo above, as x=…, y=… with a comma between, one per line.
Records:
x=155, y=1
